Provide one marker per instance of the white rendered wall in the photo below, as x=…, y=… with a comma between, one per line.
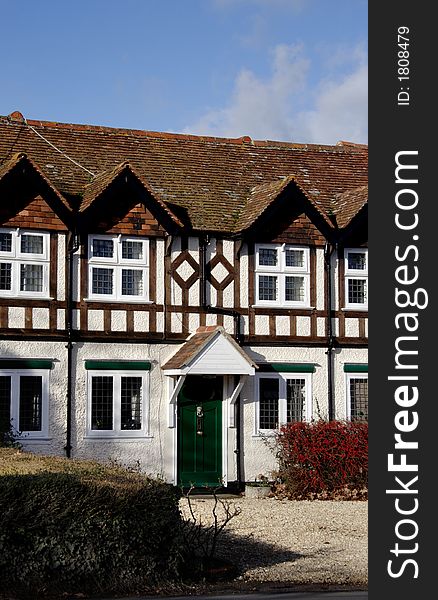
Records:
x=153, y=453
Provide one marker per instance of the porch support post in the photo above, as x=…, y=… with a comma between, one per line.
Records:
x=234, y=396
x=173, y=399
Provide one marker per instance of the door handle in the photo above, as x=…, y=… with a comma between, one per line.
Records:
x=199, y=421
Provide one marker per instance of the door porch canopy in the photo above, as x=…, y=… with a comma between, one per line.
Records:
x=209, y=351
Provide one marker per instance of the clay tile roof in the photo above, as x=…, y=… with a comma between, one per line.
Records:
x=212, y=181
x=348, y=204
x=196, y=343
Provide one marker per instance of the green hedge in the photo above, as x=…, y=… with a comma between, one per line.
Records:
x=86, y=531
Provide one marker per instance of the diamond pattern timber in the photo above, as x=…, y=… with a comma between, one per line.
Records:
x=180, y=264
x=221, y=272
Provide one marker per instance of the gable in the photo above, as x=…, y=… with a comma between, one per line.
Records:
x=299, y=231
x=290, y=219
x=119, y=202
x=28, y=198
x=220, y=357
x=138, y=220
x=37, y=214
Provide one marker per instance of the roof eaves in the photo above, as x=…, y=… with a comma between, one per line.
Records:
x=354, y=200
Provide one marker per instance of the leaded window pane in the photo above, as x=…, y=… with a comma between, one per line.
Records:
x=268, y=402
x=5, y=276
x=102, y=403
x=132, y=250
x=103, y=248
x=102, y=281
x=294, y=258
x=357, y=261
x=132, y=282
x=294, y=289
x=5, y=242
x=31, y=278
x=131, y=396
x=267, y=287
x=5, y=403
x=31, y=400
x=295, y=397
x=359, y=399
x=32, y=244
x=356, y=291
x=268, y=257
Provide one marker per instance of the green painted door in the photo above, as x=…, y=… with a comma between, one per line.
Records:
x=200, y=431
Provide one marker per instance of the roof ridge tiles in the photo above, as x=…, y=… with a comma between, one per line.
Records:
x=341, y=146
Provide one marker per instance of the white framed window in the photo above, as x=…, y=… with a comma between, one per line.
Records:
x=24, y=402
x=118, y=268
x=117, y=404
x=282, y=398
x=357, y=396
x=24, y=263
x=282, y=275
x=356, y=278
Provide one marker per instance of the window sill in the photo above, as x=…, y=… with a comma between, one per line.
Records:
x=117, y=301
x=283, y=306
x=115, y=438
x=355, y=309
x=34, y=440
x=25, y=297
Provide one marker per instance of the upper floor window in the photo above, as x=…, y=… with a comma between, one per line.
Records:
x=118, y=268
x=282, y=275
x=24, y=263
x=282, y=398
x=356, y=278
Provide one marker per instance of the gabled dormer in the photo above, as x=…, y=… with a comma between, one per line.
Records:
x=34, y=221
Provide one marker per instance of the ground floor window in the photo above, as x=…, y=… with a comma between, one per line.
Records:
x=357, y=396
x=24, y=402
x=117, y=403
x=282, y=398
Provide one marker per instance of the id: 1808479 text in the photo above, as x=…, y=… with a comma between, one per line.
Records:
x=403, y=41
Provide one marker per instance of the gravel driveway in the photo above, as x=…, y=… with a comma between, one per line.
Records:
x=295, y=542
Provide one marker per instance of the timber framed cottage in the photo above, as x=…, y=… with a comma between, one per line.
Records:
x=169, y=300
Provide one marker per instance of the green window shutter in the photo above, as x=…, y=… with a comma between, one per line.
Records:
x=118, y=365
x=286, y=367
x=355, y=368
x=26, y=363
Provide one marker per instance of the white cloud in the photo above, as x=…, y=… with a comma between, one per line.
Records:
x=341, y=110
x=281, y=107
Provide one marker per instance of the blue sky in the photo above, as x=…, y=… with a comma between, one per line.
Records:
x=291, y=70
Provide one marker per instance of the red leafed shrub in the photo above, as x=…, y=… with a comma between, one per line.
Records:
x=324, y=459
